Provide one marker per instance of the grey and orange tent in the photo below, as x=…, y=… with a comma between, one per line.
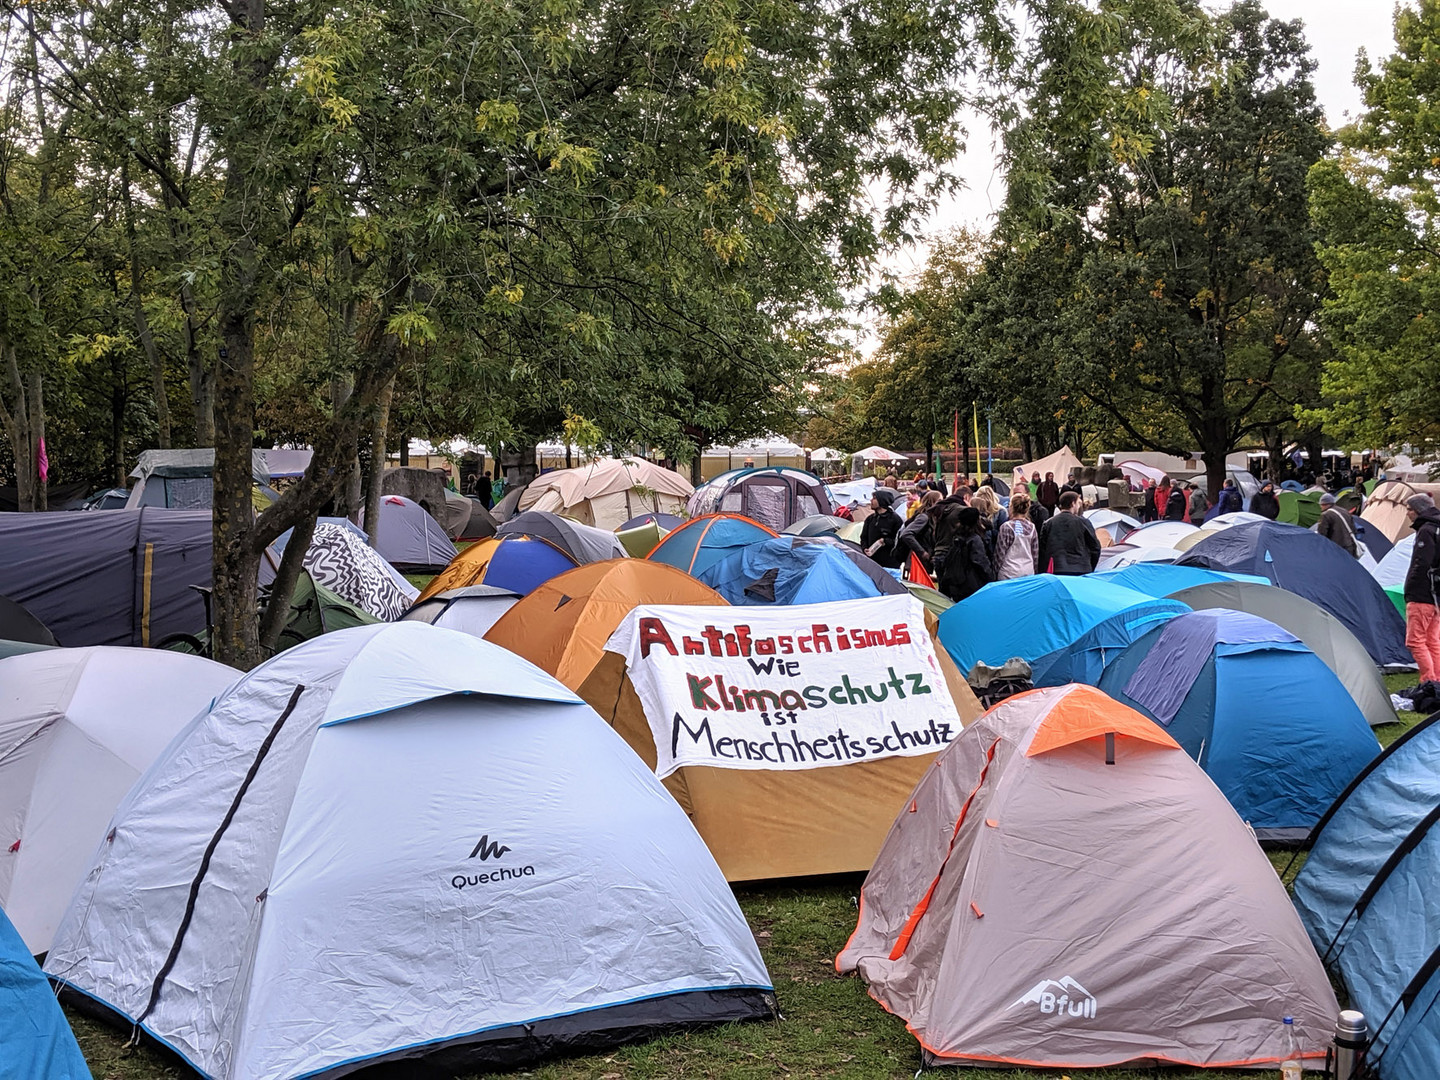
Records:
x=1067, y=889
x=758, y=824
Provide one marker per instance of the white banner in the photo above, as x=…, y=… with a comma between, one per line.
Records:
x=799, y=687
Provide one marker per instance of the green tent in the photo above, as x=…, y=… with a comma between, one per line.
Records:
x=1300, y=507
x=315, y=610
x=641, y=540
x=936, y=603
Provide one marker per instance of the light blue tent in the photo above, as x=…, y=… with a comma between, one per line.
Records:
x=1066, y=628
x=1166, y=579
x=1413, y=1052
x=799, y=570
x=1352, y=841
x=35, y=1039
x=1262, y=714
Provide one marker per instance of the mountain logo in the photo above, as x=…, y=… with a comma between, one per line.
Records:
x=1061, y=998
x=486, y=850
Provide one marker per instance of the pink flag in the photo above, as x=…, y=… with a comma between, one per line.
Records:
x=42, y=462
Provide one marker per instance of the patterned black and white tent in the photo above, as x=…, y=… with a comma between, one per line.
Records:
x=341, y=560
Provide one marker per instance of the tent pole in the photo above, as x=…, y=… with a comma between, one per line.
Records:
x=957, y=449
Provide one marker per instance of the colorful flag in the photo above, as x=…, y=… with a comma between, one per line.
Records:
x=42, y=462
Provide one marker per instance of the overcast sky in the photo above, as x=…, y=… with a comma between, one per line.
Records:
x=1336, y=30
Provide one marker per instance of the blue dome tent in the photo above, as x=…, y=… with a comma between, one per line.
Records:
x=1307, y=564
x=1066, y=628
x=1162, y=580
x=1262, y=714
x=35, y=1040
x=799, y=570
x=702, y=542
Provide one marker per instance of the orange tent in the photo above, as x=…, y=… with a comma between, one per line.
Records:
x=518, y=563
x=563, y=625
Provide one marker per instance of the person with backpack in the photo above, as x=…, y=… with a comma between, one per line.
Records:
x=1335, y=526
x=917, y=538
x=967, y=567
x=1422, y=582
x=1175, y=505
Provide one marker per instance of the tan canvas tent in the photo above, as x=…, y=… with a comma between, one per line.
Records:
x=770, y=824
x=1385, y=509
x=1035, y=905
x=1060, y=463
x=609, y=492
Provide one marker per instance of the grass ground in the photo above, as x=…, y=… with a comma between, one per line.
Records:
x=830, y=1027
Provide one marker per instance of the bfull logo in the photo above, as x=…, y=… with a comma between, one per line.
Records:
x=1063, y=997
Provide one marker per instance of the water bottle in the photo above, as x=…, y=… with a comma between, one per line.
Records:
x=1290, y=1067
x=1352, y=1034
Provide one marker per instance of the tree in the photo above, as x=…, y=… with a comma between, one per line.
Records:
x=1376, y=206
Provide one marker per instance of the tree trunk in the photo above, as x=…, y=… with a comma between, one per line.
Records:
x=376, y=482
x=404, y=450
x=283, y=587
x=142, y=324
x=15, y=415
x=350, y=498
x=37, y=438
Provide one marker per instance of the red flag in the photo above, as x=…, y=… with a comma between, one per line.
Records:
x=42, y=462
x=918, y=574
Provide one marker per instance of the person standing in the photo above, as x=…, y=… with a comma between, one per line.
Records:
x=882, y=529
x=1175, y=508
x=1422, y=623
x=1049, y=494
x=1335, y=526
x=1017, y=542
x=1068, y=544
x=1162, y=498
x=1198, y=505
x=1148, y=512
x=1266, y=502
x=967, y=566
x=917, y=538
x=1230, y=501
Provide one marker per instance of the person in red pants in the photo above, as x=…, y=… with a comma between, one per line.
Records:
x=1422, y=620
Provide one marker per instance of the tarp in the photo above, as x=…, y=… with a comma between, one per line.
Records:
x=118, y=578
x=17, y=624
x=1065, y=628
x=799, y=570
x=78, y=727
x=761, y=824
x=563, y=625
x=702, y=542
x=399, y=840
x=1031, y=908
x=1262, y=714
x=473, y=609
x=608, y=492
x=774, y=496
x=516, y=563
x=1060, y=463
x=35, y=1039
x=409, y=538
x=582, y=543
x=1322, y=633
x=1311, y=566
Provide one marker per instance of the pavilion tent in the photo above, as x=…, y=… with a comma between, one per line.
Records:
x=123, y=577
x=473, y=609
x=1322, y=633
x=563, y=625
x=1239, y=695
x=17, y=624
x=36, y=1042
x=388, y=847
x=1060, y=463
x=516, y=563
x=583, y=543
x=762, y=824
x=408, y=538
x=1311, y=566
x=1066, y=628
x=1031, y=908
x=799, y=570
x=607, y=492
x=79, y=727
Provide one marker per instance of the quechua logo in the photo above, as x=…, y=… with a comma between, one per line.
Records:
x=486, y=850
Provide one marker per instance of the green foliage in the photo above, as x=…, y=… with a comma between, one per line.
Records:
x=1375, y=204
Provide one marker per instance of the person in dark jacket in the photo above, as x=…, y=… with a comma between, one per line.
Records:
x=1422, y=622
x=1038, y=515
x=1049, y=493
x=945, y=526
x=1266, y=503
x=1198, y=505
x=1175, y=505
x=1148, y=512
x=1068, y=544
x=1335, y=526
x=917, y=537
x=882, y=529
x=967, y=566
x=1231, y=501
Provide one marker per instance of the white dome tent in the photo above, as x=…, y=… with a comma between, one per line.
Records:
x=77, y=728
x=395, y=842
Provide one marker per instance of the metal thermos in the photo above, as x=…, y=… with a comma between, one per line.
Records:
x=1352, y=1034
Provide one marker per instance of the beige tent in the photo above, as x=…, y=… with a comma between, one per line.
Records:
x=1385, y=509
x=1067, y=889
x=1060, y=463
x=608, y=492
x=760, y=824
